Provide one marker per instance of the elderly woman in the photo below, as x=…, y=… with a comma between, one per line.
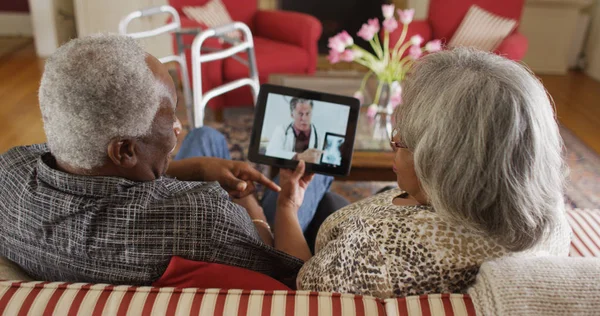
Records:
x=478, y=158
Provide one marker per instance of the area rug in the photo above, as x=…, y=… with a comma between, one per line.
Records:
x=582, y=190
x=9, y=44
x=583, y=185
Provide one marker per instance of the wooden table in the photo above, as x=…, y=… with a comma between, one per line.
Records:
x=372, y=157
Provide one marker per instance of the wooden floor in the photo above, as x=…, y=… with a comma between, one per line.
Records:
x=577, y=99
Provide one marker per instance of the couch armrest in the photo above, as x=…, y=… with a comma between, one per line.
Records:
x=513, y=47
x=293, y=28
x=421, y=27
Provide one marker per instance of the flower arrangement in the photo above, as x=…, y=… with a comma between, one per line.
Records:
x=387, y=64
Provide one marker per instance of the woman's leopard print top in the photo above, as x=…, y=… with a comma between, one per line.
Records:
x=375, y=248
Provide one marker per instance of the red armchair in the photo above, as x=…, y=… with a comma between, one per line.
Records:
x=284, y=42
x=445, y=17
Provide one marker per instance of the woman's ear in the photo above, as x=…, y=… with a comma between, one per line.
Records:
x=122, y=153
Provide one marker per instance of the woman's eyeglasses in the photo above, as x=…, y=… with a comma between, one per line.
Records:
x=396, y=144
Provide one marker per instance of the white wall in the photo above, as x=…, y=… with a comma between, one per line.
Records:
x=421, y=8
x=104, y=16
x=592, y=51
x=15, y=24
x=327, y=117
x=53, y=24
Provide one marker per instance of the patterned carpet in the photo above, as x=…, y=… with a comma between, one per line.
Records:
x=583, y=189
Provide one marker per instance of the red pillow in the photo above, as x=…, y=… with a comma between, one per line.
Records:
x=186, y=273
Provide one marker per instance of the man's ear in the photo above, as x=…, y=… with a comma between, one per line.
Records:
x=122, y=152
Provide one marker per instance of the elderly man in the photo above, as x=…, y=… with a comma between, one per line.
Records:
x=94, y=204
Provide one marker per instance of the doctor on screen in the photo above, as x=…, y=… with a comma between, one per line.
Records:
x=299, y=139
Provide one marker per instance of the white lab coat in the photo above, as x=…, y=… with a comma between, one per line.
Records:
x=283, y=140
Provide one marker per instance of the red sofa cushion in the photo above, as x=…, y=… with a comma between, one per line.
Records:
x=186, y=273
x=271, y=57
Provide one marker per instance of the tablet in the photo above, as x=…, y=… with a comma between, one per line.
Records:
x=294, y=124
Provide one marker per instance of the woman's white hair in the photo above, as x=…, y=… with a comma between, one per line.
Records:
x=486, y=144
x=93, y=90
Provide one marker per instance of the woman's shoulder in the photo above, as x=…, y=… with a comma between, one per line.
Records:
x=375, y=211
x=378, y=205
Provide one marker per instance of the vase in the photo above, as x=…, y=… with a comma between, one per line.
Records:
x=383, y=104
x=381, y=122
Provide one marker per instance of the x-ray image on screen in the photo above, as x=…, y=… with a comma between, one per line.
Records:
x=332, y=150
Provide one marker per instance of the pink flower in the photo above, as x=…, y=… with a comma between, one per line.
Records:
x=336, y=44
x=347, y=55
x=416, y=40
x=345, y=38
x=434, y=46
x=372, y=110
x=388, y=10
x=406, y=16
x=395, y=100
x=395, y=94
x=390, y=25
x=359, y=95
x=368, y=30
x=415, y=52
x=374, y=23
x=333, y=56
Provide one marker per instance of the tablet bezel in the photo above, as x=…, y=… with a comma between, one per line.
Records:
x=259, y=114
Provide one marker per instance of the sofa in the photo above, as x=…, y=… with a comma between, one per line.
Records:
x=445, y=16
x=19, y=295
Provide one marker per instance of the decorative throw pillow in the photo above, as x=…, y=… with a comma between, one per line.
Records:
x=213, y=14
x=482, y=30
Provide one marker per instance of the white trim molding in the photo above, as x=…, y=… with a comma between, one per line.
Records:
x=15, y=24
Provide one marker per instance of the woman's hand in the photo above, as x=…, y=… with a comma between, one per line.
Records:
x=293, y=185
x=289, y=237
x=236, y=177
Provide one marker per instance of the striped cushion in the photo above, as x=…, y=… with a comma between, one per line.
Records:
x=586, y=232
x=482, y=30
x=432, y=304
x=37, y=298
x=213, y=14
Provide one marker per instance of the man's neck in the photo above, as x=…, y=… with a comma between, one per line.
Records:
x=104, y=170
x=298, y=130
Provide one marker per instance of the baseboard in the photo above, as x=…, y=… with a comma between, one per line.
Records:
x=593, y=74
x=15, y=24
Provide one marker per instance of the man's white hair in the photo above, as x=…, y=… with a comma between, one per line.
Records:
x=95, y=89
x=486, y=144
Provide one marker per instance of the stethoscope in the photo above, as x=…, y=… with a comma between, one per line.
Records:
x=314, y=129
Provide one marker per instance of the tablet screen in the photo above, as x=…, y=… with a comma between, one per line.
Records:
x=332, y=149
x=292, y=125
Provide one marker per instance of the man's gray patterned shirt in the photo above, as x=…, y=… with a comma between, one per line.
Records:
x=63, y=227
